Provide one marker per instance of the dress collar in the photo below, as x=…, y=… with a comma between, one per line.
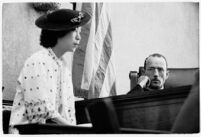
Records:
x=54, y=57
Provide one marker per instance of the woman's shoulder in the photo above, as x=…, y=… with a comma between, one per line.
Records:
x=39, y=56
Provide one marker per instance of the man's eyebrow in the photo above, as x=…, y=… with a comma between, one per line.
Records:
x=157, y=67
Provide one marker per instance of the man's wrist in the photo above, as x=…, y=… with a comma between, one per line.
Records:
x=141, y=85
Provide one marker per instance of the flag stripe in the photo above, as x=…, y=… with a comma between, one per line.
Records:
x=113, y=89
x=94, y=47
x=79, y=55
x=93, y=69
x=104, y=60
x=109, y=85
x=78, y=6
x=100, y=36
x=89, y=57
x=97, y=15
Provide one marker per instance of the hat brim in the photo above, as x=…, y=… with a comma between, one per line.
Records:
x=43, y=23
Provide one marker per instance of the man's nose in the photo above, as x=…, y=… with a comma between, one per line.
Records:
x=156, y=73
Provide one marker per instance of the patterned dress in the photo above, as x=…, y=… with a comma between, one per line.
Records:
x=44, y=90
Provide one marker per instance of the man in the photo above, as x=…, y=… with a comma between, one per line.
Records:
x=154, y=76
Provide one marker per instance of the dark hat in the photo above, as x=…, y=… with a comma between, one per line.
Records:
x=62, y=19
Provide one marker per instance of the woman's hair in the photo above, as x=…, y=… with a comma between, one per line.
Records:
x=48, y=38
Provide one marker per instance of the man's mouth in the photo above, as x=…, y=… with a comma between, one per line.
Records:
x=156, y=81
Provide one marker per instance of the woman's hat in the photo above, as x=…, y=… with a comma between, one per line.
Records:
x=62, y=19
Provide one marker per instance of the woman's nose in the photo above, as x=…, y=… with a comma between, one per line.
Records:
x=78, y=36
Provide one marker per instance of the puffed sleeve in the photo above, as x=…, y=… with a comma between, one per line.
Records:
x=18, y=108
x=35, y=98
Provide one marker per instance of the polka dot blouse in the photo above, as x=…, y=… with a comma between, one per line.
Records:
x=44, y=90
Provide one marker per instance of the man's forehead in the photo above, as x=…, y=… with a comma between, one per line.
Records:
x=156, y=62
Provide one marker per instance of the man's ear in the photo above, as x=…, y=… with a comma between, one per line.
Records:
x=143, y=71
x=167, y=74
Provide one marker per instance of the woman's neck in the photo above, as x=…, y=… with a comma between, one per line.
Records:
x=57, y=51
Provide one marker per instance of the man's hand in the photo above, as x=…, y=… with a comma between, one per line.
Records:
x=143, y=81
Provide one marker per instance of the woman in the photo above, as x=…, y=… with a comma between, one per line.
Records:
x=44, y=88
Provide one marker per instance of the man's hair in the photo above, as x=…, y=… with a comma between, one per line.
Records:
x=155, y=55
x=48, y=38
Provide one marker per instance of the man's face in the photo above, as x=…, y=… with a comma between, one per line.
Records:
x=156, y=70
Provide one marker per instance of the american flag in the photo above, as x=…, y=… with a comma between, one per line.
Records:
x=93, y=68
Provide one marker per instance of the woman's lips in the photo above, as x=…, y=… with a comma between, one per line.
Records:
x=76, y=45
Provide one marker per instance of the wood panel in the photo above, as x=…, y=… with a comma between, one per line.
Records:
x=154, y=110
x=31, y=129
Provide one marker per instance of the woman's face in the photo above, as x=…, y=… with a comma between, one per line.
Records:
x=70, y=41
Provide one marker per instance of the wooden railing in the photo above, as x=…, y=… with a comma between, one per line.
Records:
x=156, y=110
x=61, y=129
x=145, y=112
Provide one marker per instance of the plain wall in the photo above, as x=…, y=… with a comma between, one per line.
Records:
x=140, y=29
x=20, y=40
